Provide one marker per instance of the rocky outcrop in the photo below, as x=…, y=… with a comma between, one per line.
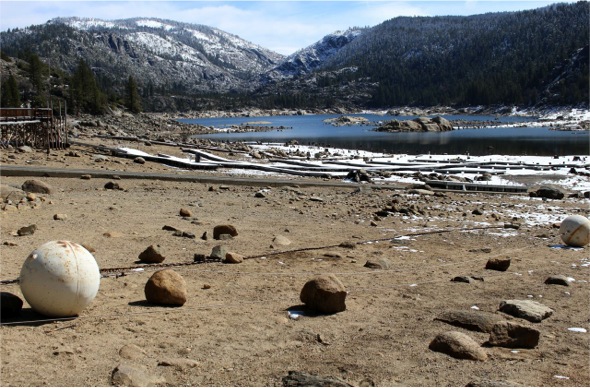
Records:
x=420, y=124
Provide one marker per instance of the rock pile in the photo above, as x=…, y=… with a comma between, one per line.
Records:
x=420, y=124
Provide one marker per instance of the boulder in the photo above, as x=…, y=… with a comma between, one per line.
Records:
x=218, y=252
x=458, y=345
x=224, y=229
x=380, y=263
x=152, y=255
x=514, y=335
x=27, y=230
x=166, y=287
x=548, y=192
x=280, y=240
x=527, y=309
x=471, y=320
x=233, y=258
x=498, y=264
x=10, y=305
x=37, y=186
x=558, y=279
x=185, y=212
x=324, y=294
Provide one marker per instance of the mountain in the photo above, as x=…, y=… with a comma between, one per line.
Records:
x=169, y=56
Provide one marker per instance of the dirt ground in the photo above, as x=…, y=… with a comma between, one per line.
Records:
x=235, y=330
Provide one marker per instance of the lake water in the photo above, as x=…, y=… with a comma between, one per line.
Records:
x=311, y=130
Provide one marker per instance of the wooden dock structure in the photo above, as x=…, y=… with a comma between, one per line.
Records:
x=34, y=127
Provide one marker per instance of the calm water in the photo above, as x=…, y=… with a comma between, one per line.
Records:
x=311, y=130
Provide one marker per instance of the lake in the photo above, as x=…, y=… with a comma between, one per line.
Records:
x=311, y=130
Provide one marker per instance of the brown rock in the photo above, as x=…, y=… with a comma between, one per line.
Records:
x=378, y=263
x=27, y=230
x=325, y=294
x=233, y=258
x=37, y=186
x=152, y=255
x=458, y=345
x=166, y=287
x=471, y=320
x=224, y=229
x=185, y=213
x=60, y=217
x=514, y=335
x=498, y=264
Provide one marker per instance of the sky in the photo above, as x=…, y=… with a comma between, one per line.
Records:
x=281, y=26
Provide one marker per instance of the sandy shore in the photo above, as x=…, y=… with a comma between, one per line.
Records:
x=235, y=328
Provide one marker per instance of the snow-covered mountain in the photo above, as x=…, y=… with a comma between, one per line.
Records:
x=312, y=57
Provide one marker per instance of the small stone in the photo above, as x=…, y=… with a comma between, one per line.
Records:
x=224, y=229
x=491, y=383
x=498, y=264
x=27, y=230
x=259, y=194
x=558, y=279
x=218, y=252
x=185, y=213
x=181, y=233
x=514, y=335
x=169, y=228
x=125, y=375
x=60, y=217
x=139, y=160
x=152, y=255
x=205, y=236
x=112, y=186
x=233, y=258
x=462, y=279
x=112, y=234
x=316, y=199
x=471, y=319
x=86, y=176
x=280, y=240
x=10, y=305
x=477, y=212
x=206, y=286
x=380, y=263
x=325, y=294
x=348, y=245
x=181, y=363
x=37, y=186
x=302, y=379
x=527, y=309
x=131, y=352
x=31, y=197
x=166, y=287
x=458, y=345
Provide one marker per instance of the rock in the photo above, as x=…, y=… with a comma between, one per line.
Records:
x=548, y=192
x=302, y=379
x=421, y=192
x=112, y=186
x=166, y=287
x=85, y=176
x=125, y=375
x=10, y=305
x=458, y=345
x=112, y=234
x=233, y=258
x=380, y=263
x=185, y=213
x=498, y=264
x=316, y=199
x=182, y=233
x=259, y=194
x=180, y=363
x=471, y=320
x=218, y=252
x=60, y=217
x=24, y=149
x=37, y=186
x=27, y=230
x=462, y=279
x=280, y=240
x=224, y=229
x=152, y=255
x=558, y=279
x=514, y=335
x=139, y=160
x=325, y=294
x=131, y=352
x=477, y=212
x=100, y=158
x=205, y=236
x=527, y=309
x=169, y=228
x=9, y=193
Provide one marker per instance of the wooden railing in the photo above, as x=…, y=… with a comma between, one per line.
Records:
x=35, y=127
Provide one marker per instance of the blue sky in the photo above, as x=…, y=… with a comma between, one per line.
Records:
x=282, y=26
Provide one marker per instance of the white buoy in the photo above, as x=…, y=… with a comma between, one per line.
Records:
x=59, y=279
x=575, y=231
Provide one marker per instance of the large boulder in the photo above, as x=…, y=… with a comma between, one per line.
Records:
x=324, y=294
x=152, y=255
x=548, y=192
x=166, y=287
x=514, y=335
x=37, y=186
x=527, y=309
x=458, y=345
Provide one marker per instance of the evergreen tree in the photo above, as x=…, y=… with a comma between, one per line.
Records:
x=85, y=95
x=37, y=72
x=133, y=99
x=10, y=94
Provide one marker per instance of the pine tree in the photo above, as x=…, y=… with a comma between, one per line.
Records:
x=37, y=70
x=133, y=99
x=85, y=95
x=10, y=94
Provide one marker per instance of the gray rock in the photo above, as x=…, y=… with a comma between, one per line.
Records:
x=218, y=252
x=139, y=160
x=527, y=309
x=10, y=305
x=24, y=149
x=498, y=264
x=458, y=345
x=280, y=240
x=548, y=192
x=325, y=294
x=125, y=375
x=166, y=287
x=471, y=320
x=558, y=279
x=27, y=230
x=514, y=335
x=380, y=263
x=9, y=193
x=152, y=255
x=37, y=186
x=112, y=186
x=302, y=379
x=180, y=363
x=491, y=383
x=224, y=229
x=131, y=352
x=182, y=233
x=100, y=158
